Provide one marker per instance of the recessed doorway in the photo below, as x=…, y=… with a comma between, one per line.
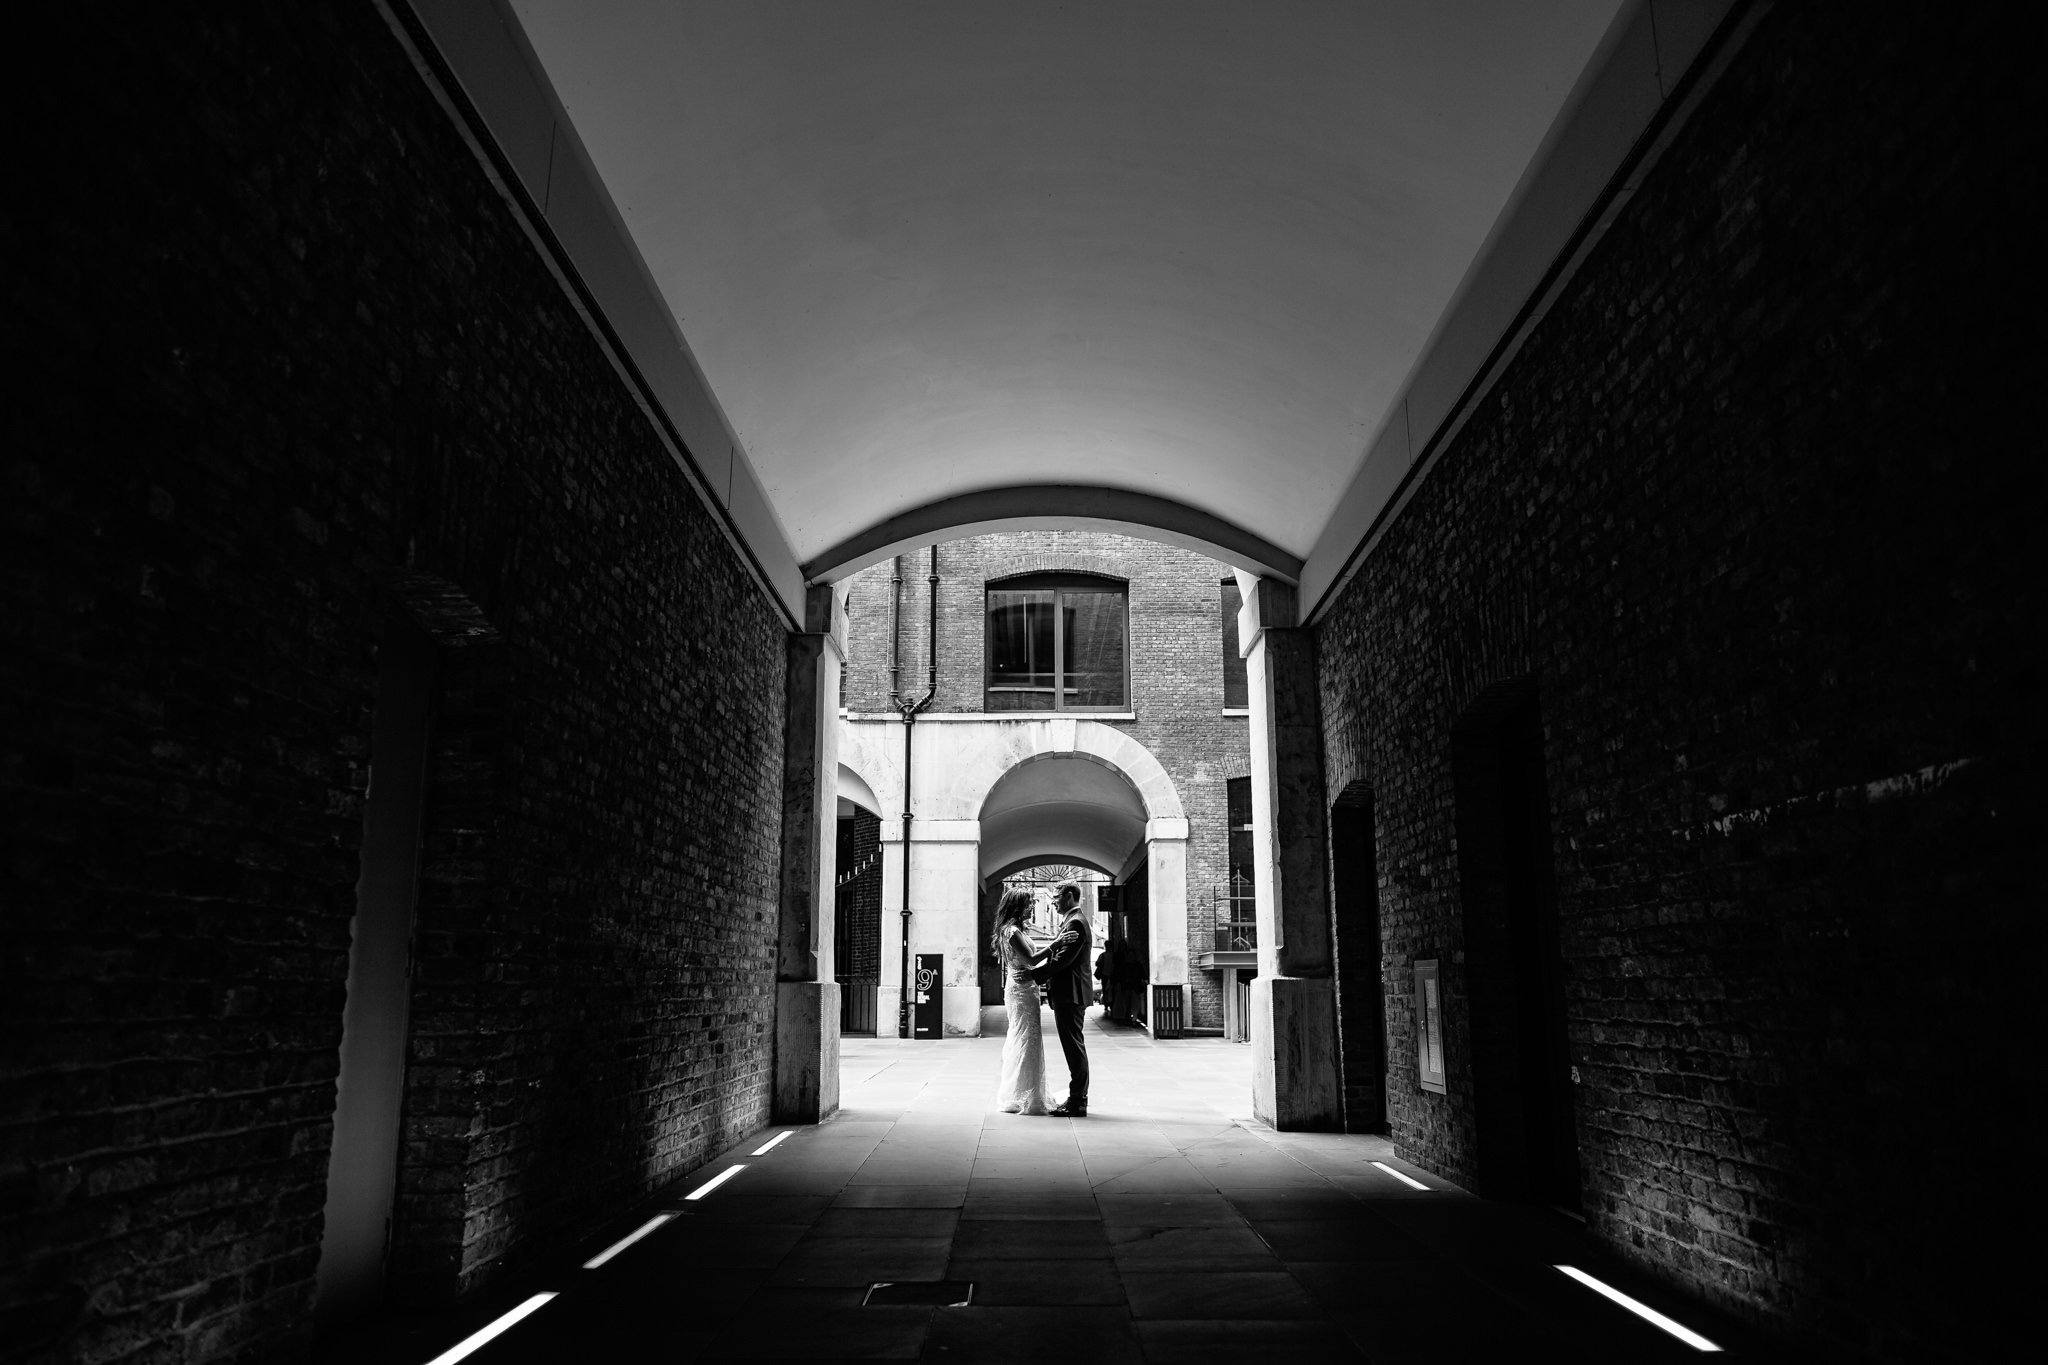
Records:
x=1521, y=1062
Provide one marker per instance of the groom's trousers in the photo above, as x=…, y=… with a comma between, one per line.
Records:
x=1068, y=1018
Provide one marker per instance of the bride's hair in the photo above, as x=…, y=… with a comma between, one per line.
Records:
x=1015, y=905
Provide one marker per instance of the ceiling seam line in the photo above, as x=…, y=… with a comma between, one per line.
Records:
x=1642, y=156
x=439, y=76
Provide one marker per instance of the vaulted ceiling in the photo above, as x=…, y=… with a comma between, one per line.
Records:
x=1064, y=807
x=1191, y=249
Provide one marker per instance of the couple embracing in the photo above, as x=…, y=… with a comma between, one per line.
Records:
x=1063, y=966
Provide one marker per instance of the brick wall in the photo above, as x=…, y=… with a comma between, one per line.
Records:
x=1746, y=513
x=1176, y=661
x=278, y=345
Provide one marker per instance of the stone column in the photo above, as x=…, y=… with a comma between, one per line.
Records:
x=945, y=896
x=889, y=982
x=1166, y=882
x=1296, y=1070
x=806, y=996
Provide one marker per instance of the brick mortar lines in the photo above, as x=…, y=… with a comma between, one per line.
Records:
x=334, y=356
x=1734, y=588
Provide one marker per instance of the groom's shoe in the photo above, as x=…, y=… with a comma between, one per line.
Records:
x=1072, y=1109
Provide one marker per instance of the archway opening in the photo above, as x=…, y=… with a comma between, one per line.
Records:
x=1042, y=880
x=1063, y=810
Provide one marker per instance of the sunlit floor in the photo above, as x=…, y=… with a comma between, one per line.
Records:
x=1167, y=1226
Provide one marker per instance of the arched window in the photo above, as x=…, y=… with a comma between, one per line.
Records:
x=1058, y=642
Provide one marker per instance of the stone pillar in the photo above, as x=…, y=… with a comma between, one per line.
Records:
x=945, y=898
x=1166, y=895
x=945, y=857
x=889, y=982
x=806, y=996
x=1296, y=1068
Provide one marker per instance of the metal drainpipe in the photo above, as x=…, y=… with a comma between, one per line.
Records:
x=910, y=710
x=931, y=677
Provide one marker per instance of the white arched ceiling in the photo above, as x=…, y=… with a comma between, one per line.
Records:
x=1188, y=248
x=1061, y=807
x=855, y=791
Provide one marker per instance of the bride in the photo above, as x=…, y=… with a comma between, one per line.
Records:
x=1021, y=1088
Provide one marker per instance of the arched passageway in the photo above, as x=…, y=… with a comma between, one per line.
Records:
x=1063, y=811
x=1628, y=404
x=989, y=796
x=1062, y=807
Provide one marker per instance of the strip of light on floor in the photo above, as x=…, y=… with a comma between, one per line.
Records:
x=715, y=1181
x=1404, y=1179
x=635, y=1235
x=1641, y=1310
x=763, y=1151
x=475, y=1341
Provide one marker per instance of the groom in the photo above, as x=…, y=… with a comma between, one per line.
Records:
x=1065, y=975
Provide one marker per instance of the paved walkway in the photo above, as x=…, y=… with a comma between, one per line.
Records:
x=1167, y=1227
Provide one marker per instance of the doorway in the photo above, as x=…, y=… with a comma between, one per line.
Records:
x=1354, y=883
x=857, y=918
x=1528, y=1140
x=362, y=1169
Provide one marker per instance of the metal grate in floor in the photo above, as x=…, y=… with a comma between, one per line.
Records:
x=920, y=1294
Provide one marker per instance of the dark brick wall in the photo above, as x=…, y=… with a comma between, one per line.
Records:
x=276, y=343
x=1176, y=659
x=1747, y=512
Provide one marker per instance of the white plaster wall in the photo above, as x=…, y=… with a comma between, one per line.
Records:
x=892, y=902
x=956, y=761
x=944, y=886
x=1167, y=906
x=945, y=882
x=873, y=750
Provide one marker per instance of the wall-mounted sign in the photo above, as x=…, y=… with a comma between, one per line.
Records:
x=928, y=996
x=1429, y=1027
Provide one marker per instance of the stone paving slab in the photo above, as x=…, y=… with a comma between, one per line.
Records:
x=837, y=1222
x=1041, y=1283
x=1169, y=1226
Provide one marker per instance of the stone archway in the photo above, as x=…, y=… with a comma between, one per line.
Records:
x=855, y=790
x=958, y=762
x=1085, y=792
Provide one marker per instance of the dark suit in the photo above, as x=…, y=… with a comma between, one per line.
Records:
x=1065, y=975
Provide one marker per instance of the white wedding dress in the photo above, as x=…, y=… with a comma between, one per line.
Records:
x=1021, y=1087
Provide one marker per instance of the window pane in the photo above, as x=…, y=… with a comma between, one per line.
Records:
x=1094, y=623
x=1237, y=802
x=1236, y=694
x=1020, y=642
x=1238, y=819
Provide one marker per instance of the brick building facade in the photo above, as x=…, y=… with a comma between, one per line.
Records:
x=1176, y=707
